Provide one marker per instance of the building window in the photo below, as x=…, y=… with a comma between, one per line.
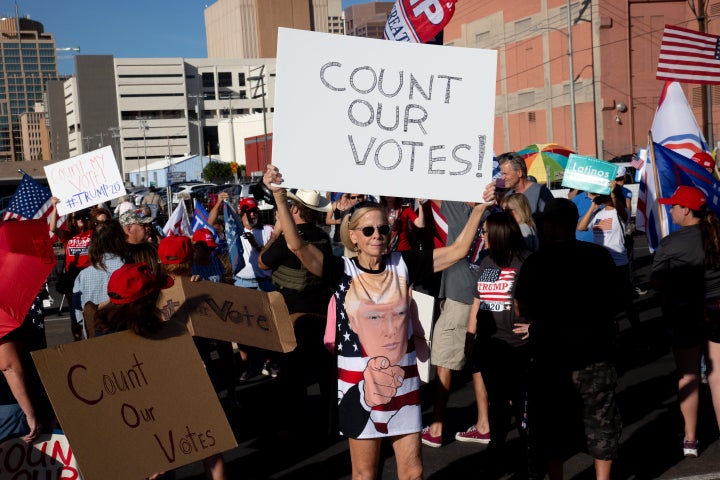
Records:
x=224, y=79
x=241, y=79
x=208, y=80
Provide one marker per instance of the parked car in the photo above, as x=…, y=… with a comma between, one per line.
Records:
x=188, y=190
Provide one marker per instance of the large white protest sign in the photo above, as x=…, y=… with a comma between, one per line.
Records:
x=86, y=180
x=393, y=118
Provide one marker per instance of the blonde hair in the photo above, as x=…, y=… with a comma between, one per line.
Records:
x=520, y=205
x=352, y=219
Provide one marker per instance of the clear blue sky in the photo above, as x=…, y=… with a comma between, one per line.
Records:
x=122, y=28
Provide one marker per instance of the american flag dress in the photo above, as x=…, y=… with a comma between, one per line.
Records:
x=389, y=285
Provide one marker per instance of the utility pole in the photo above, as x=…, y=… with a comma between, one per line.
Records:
x=261, y=80
x=102, y=140
x=87, y=144
x=144, y=127
x=197, y=98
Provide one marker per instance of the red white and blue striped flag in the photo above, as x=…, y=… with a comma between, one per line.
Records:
x=689, y=56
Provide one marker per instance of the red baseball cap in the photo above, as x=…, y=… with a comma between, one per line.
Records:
x=204, y=235
x=133, y=281
x=248, y=203
x=686, y=196
x=175, y=249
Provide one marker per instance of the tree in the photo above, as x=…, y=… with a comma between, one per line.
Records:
x=216, y=170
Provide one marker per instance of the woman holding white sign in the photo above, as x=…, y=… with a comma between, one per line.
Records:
x=378, y=382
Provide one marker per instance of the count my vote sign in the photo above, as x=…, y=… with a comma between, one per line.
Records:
x=132, y=406
x=389, y=118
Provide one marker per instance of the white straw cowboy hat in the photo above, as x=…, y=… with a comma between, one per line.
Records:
x=311, y=199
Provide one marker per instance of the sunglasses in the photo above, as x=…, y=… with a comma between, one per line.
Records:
x=355, y=197
x=368, y=231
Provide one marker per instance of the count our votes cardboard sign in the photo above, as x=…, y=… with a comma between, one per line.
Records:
x=589, y=174
x=86, y=180
x=393, y=118
x=131, y=406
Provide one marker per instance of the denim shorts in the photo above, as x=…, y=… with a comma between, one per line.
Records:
x=12, y=422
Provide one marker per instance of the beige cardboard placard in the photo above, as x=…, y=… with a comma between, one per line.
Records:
x=48, y=456
x=131, y=406
x=226, y=312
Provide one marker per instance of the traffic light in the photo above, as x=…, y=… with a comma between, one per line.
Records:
x=234, y=167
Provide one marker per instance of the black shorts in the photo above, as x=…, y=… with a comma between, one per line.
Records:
x=575, y=409
x=712, y=320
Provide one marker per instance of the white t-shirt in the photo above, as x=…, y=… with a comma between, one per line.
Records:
x=250, y=254
x=609, y=232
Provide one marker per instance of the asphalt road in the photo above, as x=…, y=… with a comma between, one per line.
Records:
x=272, y=445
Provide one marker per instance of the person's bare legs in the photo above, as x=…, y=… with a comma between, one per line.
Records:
x=481, y=399
x=442, y=394
x=602, y=469
x=214, y=467
x=408, y=456
x=364, y=457
x=712, y=361
x=687, y=361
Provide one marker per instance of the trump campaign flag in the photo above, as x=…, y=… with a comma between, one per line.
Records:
x=200, y=220
x=688, y=56
x=418, y=21
x=673, y=170
x=233, y=234
x=178, y=223
x=31, y=201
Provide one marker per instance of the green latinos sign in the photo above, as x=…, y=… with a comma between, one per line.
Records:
x=589, y=174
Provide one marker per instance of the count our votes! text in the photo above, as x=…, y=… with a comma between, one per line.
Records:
x=392, y=134
x=91, y=387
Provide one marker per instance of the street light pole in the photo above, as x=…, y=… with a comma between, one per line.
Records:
x=199, y=128
x=261, y=78
x=144, y=127
x=572, y=78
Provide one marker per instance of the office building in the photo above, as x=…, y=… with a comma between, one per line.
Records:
x=367, y=19
x=27, y=64
x=35, y=133
x=615, y=46
x=248, y=28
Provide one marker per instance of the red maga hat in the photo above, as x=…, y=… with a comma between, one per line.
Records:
x=204, y=235
x=175, y=249
x=686, y=196
x=133, y=281
x=248, y=203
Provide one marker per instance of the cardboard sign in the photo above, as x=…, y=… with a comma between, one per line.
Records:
x=226, y=312
x=424, y=306
x=404, y=119
x=133, y=406
x=589, y=174
x=86, y=180
x=49, y=456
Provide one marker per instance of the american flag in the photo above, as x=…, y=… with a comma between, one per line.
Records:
x=233, y=236
x=178, y=223
x=689, y=56
x=31, y=201
x=495, y=285
x=603, y=225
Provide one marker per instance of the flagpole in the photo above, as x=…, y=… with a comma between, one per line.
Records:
x=657, y=185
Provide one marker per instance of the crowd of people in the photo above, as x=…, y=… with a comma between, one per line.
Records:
x=346, y=266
